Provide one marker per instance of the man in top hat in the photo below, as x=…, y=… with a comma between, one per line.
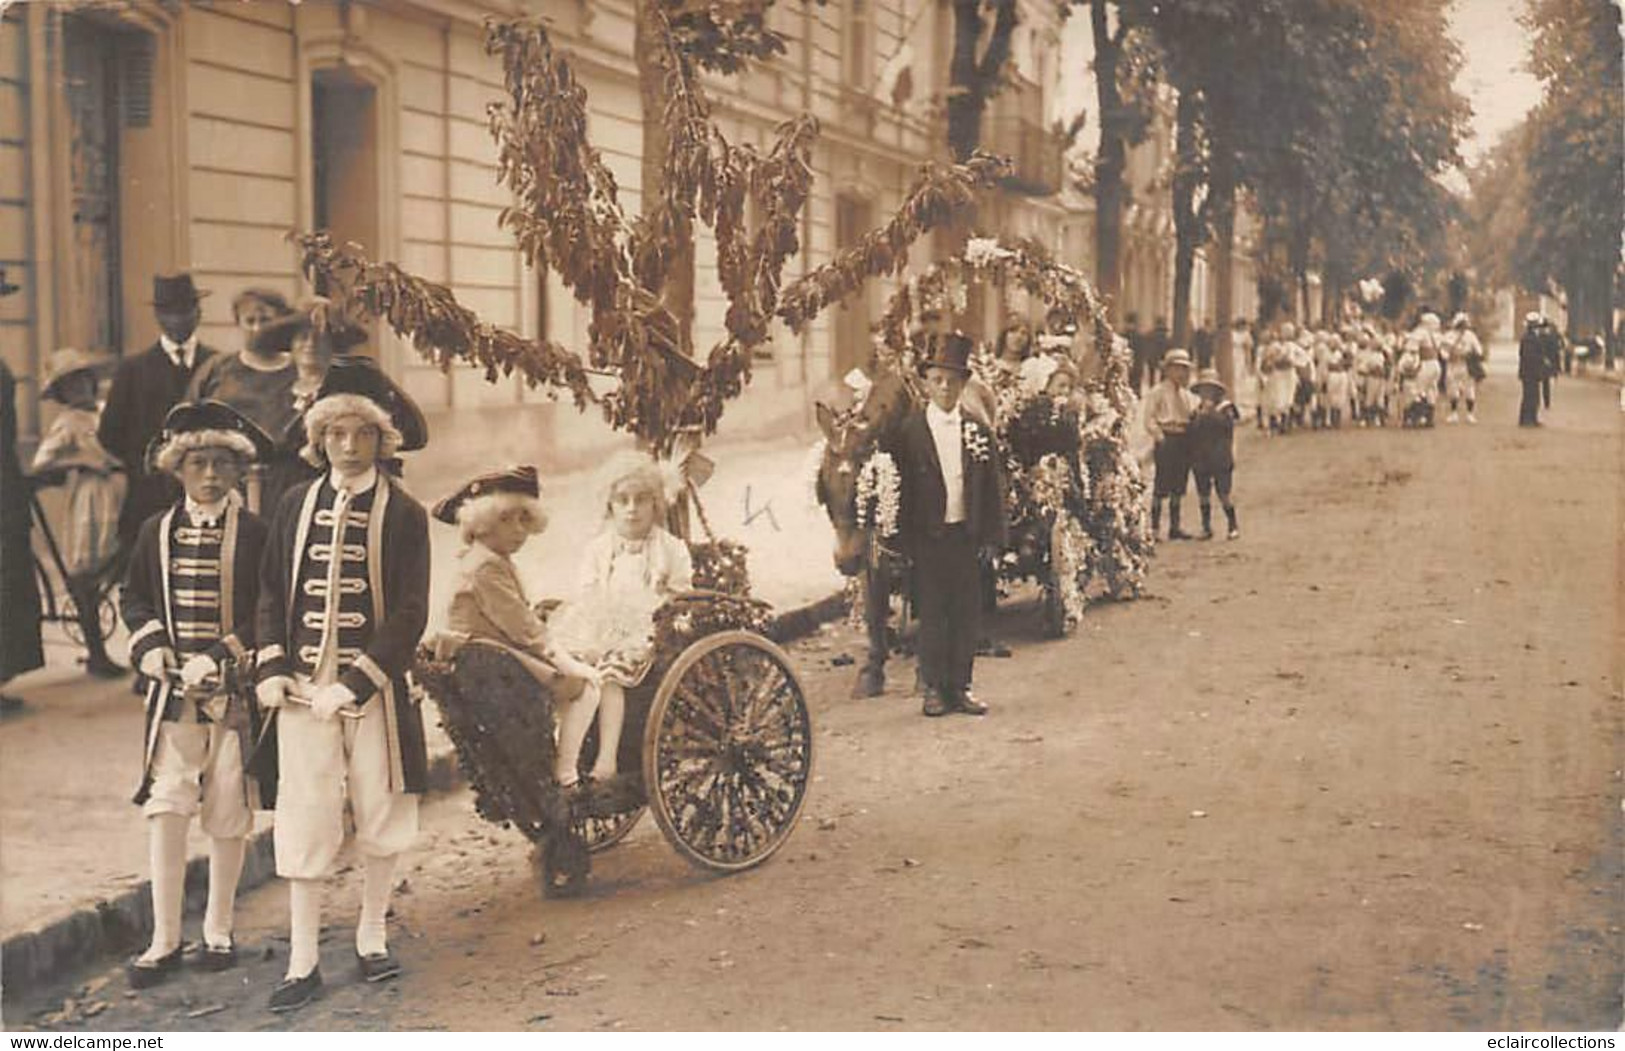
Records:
x=189, y=602
x=1167, y=413
x=952, y=512
x=1532, y=369
x=344, y=597
x=146, y=386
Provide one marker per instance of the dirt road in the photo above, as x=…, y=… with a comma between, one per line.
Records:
x=1357, y=770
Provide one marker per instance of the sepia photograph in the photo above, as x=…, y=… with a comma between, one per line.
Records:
x=731, y=516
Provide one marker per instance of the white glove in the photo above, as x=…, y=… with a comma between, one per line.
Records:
x=156, y=662
x=326, y=702
x=273, y=692
x=198, y=667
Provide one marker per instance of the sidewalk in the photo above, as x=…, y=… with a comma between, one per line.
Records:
x=73, y=852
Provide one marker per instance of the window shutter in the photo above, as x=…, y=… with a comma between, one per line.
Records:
x=135, y=79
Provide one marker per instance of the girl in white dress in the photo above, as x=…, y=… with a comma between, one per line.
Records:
x=628, y=570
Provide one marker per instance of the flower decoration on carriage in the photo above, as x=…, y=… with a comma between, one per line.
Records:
x=984, y=251
x=721, y=565
x=880, y=494
x=1051, y=484
x=977, y=442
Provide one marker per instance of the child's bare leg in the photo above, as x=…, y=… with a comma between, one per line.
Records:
x=575, y=718
x=611, y=713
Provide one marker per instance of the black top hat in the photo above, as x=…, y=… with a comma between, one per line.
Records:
x=353, y=374
x=520, y=480
x=175, y=292
x=951, y=350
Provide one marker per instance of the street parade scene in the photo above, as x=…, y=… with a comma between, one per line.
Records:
x=642, y=515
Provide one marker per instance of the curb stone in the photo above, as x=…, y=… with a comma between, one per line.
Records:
x=122, y=922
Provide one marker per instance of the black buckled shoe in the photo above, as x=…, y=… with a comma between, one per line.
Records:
x=215, y=957
x=144, y=974
x=935, y=704
x=378, y=966
x=291, y=994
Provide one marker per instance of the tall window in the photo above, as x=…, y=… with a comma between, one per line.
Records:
x=859, y=49
x=853, y=217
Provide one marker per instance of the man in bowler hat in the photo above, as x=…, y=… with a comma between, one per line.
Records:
x=146, y=386
x=952, y=511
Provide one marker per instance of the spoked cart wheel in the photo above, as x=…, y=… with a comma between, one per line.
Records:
x=727, y=751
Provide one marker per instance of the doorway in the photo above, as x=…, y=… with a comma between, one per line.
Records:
x=91, y=57
x=344, y=158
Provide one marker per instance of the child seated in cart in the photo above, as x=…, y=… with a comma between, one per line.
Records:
x=496, y=513
x=627, y=572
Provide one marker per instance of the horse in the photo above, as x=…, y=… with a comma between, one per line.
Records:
x=851, y=439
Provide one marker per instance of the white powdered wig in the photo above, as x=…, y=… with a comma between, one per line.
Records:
x=334, y=407
x=169, y=456
x=476, y=515
x=639, y=472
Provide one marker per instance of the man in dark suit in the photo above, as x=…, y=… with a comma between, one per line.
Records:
x=1532, y=370
x=952, y=511
x=146, y=386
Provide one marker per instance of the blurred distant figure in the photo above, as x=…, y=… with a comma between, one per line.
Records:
x=1532, y=366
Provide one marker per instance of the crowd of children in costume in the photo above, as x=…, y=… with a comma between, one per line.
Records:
x=1369, y=375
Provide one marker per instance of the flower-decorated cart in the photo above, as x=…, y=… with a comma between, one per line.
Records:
x=1075, y=498
x=718, y=735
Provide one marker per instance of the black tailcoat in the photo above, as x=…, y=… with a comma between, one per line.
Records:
x=146, y=386
x=946, y=559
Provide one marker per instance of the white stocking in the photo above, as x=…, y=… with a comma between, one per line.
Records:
x=371, y=938
x=166, y=850
x=575, y=718
x=225, y=867
x=611, y=712
x=304, y=926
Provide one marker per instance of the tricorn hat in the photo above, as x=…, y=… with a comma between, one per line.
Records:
x=204, y=425
x=951, y=350
x=70, y=361
x=1176, y=356
x=175, y=292
x=521, y=481
x=358, y=377
x=1209, y=379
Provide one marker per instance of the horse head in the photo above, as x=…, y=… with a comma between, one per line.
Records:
x=849, y=441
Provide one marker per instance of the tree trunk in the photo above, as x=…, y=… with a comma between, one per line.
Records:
x=1187, y=224
x=677, y=293
x=1111, y=159
x=972, y=78
x=1223, y=189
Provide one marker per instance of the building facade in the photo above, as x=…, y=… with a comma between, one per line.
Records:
x=152, y=136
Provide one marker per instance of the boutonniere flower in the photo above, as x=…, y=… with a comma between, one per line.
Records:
x=976, y=442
